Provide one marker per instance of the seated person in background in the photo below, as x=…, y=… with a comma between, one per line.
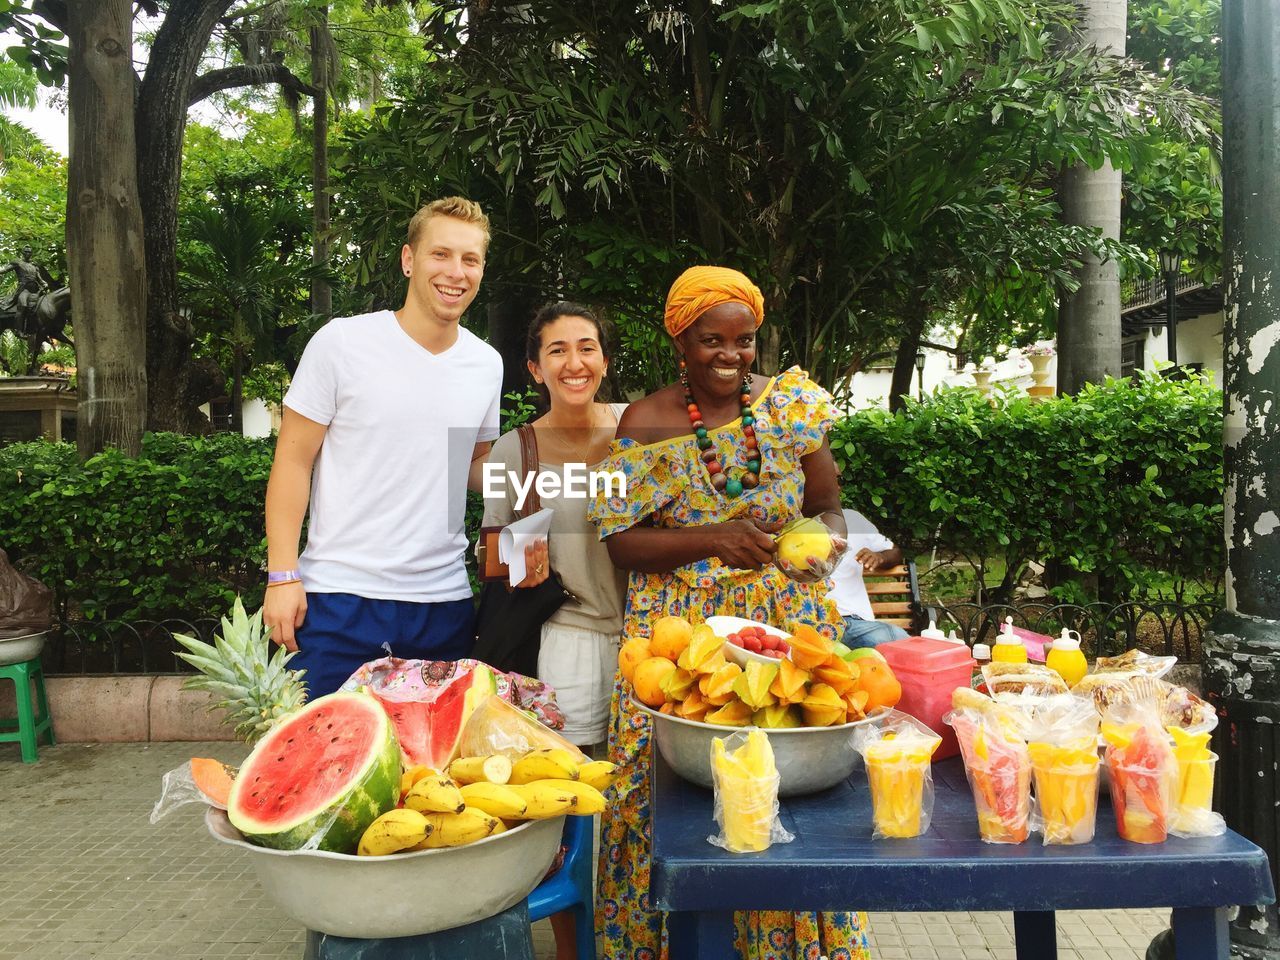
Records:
x=868, y=552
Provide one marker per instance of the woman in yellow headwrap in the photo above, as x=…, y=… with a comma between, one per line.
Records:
x=714, y=464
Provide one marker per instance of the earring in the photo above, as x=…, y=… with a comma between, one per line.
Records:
x=406, y=273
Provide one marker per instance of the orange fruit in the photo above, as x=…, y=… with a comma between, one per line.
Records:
x=632, y=652
x=670, y=636
x=647, y=680
x=876, y=679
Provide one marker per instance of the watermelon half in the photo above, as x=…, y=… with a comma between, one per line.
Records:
x=431, y=732
x=319, y=777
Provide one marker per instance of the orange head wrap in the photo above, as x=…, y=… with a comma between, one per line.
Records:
x=699, y=289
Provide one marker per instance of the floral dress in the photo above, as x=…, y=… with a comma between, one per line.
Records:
x=667, y=486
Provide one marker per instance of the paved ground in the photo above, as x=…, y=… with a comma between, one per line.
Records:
x=84, y=875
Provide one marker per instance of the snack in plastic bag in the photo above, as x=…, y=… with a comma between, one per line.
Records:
x=199, y=780
x=997, y=764
x=1193, y=814
x=1135, y=661
x=1063, y=745
x=1019, y=678
x=497, y=727
x=807, y=550
x=897, y=754
x=746, y=793
x=1143, y=771
x=1178, y=706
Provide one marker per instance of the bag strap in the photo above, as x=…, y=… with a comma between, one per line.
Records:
x=528, y=465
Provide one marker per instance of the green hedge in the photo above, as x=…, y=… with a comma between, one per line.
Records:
x=1124, y=480
x=177, y=532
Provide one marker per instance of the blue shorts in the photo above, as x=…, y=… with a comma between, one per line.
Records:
x=342, y=631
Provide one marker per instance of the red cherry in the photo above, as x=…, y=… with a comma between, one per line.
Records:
x=752, y=643
x=768, y=641
x=734, y=639
x=783, y=647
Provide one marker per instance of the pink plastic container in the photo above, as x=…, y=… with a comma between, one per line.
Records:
x=929, y=670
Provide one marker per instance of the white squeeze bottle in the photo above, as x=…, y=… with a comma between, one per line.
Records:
x=981, y=656
x=1008, y=648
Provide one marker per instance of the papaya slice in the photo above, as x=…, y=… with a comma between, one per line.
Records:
x=213, y=778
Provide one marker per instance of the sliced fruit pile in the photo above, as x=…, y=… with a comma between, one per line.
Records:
x=682, y=670
x=478, y=797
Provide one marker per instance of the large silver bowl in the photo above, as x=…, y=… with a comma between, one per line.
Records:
x=809, y=759
x=404, y=895
x=20, y=649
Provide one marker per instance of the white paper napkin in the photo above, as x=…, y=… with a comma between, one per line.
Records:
x=518, y=535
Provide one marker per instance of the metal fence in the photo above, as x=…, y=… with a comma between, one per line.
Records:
x=146, y=646
x=1158, y=627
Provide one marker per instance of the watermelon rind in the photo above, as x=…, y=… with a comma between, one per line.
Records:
x=337, y=824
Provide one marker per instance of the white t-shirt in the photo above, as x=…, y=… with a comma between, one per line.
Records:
x=846, y=588
x=388, y=492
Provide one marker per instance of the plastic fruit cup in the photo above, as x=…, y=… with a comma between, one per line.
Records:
x=1141, y=799
x=1068, y=800
x=897, y=795
x=1194, y=791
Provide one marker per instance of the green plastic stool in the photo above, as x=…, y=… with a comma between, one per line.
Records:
x=28, y=728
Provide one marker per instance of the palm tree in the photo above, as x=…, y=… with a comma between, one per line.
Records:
x=17, y=89
x=247, y=269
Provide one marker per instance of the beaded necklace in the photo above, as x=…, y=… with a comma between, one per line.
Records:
x=720, y=479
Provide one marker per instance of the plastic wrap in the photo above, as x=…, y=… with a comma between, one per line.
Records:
x=177, y=789
x=497, y=727
x=808, y=550
x=745, y=782
x=996, y=763
x=1142, y=769
x=1178, y=706
x=1135, y=661
x=1022, y=678
x=1063, y=744
x=897, y=754
x=1193, y=814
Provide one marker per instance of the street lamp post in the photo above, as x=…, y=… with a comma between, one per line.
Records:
x=1170, y=265
x=920, y=374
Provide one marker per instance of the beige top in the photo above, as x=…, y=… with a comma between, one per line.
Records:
x=577, y=554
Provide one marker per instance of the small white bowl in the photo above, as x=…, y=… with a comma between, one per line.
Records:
x=723, y=626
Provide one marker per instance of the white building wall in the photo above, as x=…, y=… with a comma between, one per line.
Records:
x=870, y=388
x=1199, y=341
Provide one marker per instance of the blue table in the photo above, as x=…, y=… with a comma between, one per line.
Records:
x=833, y=864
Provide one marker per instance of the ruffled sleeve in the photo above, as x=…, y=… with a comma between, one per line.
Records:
x=802, y=409
x=650, y=482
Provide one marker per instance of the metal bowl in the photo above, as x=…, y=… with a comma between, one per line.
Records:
x=21, y=649
x=404, y=895
x=809, y=759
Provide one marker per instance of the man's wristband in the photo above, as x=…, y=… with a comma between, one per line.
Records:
x=276, y=578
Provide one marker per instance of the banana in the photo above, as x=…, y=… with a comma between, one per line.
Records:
x=553, y=764
x=597, y=773
x=543, y=800
x=590, y=800
x=412, y=776
x=434, y=794
x=494, y=769
x=458, y=829
x=395, y=830
x=494, y=799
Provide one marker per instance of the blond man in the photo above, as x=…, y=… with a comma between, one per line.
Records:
x=387, y=422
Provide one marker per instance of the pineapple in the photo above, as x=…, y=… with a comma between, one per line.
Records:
x=257, y=687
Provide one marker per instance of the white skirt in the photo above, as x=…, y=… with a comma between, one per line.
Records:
x=579, y=664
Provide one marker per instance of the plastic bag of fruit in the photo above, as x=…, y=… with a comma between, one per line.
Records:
x=497, y=727
x=1063, y=743
x=199, y=780
x=746, y=781
x=997, y=764
x=1143, y=770
x=807, y=550
x=898, y=756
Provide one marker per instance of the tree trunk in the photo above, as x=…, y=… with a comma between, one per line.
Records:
x=237, y=390
x=105, y=229
x=508, y=328
x=904, y=362
x=1089, y=319
x=176, y=387
x=321, y=293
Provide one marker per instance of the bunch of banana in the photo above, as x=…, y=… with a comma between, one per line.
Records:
x=550, y=764
x=459, y=829
x=395, y=830
x=435, y=793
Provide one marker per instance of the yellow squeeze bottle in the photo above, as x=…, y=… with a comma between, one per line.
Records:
x=1066, y=659
x=1008, y=648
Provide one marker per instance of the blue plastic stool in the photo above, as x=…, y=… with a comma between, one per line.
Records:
x=569, y=888
x=506, y=936
x=29, y=728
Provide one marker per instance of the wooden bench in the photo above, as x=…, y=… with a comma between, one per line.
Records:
x=895, y=596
